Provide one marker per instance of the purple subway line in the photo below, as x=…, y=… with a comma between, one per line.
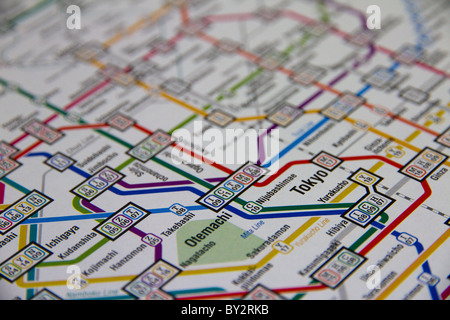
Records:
x=342, y=7
x=91, y=207
x=136, y=231
x=163, y=184
x=356, y=64
x=261, y=151
x=141, y=234
x=2, y=192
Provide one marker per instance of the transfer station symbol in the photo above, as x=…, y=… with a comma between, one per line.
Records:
x=120, y=122
x=326, y=161
x=152, y=240
x=261, y=293
x=444, y=139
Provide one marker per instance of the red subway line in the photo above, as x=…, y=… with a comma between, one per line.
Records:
x=388, y=229
x=66, y=108
x=84, y=126
x=241, y=294
x=300, y=162
x=189, y=152
x=27, y=150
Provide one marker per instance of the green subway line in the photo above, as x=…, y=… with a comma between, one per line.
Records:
x=108, y=298
x=183, y=173
x=304, y=39
x=220, y=98
x=246, y=80
x=196, y=291
x=85, y=254
x=289, y=50
x=383, y=219
x=125, y=164
x=56, y=109
x=77, y=205
x=26, y=93
x=301, y=295
x=39, y=6
x=325, y=16
x=363, y=239
x=15, y=185
x=63, y=112
x=309, y=207
x=114, y=138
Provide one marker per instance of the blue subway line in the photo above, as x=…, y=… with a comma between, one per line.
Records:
x=95, y=216
x=425, y=266
x=296, y=142
x=367, y=87
x=195, y=191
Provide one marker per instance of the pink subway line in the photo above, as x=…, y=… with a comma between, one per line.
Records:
x=17, y=140
x=136, y=231
x=2, y=192
x=171, y=42
x=67, y=107
x=229, y=17
x=446, y=293
x=306, y=20
x=75, y=102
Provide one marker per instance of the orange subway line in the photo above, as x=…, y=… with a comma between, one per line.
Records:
x=184, y=13
x=409, y=122
x=25, y=151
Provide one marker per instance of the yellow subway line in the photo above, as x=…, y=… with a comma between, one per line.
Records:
x=353, y=186
x=387, y=136
x=97, y=64
x=313, y=111
x=429, y=123
x=414, y=135
x=259, y=264
x=37, y=284
x=261, y=117
x=138, y=25
x=416, y=264
x=171, y=98
x=23, y=234
x=288, y=240
x=183, y=104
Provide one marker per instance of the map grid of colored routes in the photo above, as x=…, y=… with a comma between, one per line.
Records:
x=104, y=196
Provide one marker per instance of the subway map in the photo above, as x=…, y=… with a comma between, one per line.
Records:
x=224, y=150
